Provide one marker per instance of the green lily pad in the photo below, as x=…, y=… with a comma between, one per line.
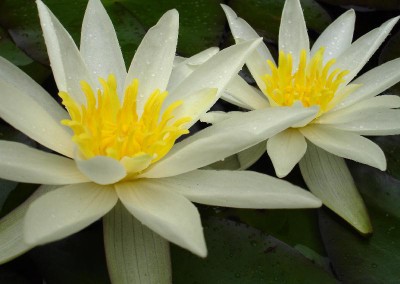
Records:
x=265, y=15
x=376, y=259
x=241, y=254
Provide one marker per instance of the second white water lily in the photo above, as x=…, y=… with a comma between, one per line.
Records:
x=117, y=141
x=321, y=77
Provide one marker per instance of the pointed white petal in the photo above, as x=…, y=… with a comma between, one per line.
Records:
x=169, y=214
x=355, y=57
x=153, y=60
x=66, y=62
x=12, y=244
x=13, y=76
x=346, y=145
x=336, y=37
x=21, y=163
x=362, y=109
x=24, y=113
x=213, y=117
x=242, y=31
x=285, y=150
x=240, y=90
x=373, y=82
x=328, y=177
x=239, y=189
x=99, y=45
x=226, y=138
x=102, y=169
x=194, y=106
x=293, y=37
x=135, y=254
x=215, y=72
x=373, y=122
x=188, y=65
x=66, y=210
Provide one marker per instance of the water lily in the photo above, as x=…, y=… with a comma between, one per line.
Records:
x=116, y=137
x=322, y=77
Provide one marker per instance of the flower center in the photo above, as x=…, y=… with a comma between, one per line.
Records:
x=311, y=84
x=107, y=127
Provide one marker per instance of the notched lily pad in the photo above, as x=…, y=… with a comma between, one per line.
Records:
x=366, y=4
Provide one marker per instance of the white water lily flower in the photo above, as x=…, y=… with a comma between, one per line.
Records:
x=321, y=76
x=117, y=141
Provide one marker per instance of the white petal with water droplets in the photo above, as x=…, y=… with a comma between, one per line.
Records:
x=336, y=37
x=153, y=60
x=285, y=150
x=99, y=45
x=357, y=55
x=215, y=72
x=293, y=37
x=66, y=61
x=346, y=145
x=169, y=214
x=226, y=138
x=66, y=210
x=19, y=162
x=242, y=31
x=373, y=83
x=239, y=189
x=102, y=169
x=26, y=114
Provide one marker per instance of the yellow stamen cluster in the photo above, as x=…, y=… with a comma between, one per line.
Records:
x=311, y=84
x=107, y=127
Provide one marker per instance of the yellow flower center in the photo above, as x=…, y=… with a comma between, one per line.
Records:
x=107, y=127
x=311, y=84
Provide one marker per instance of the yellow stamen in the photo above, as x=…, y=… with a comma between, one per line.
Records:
x=311, y=84
x=105, y=127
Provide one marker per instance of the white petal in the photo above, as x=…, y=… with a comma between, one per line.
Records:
x=194, y=106
x=21, y=163
x=188, y=65
x=239, y=189
x=169, y=214
x=12, y=244
x=153, y=60
x=24, y=113
x=217, y=116
x=336, y=37
x=328, y=177
x=134, y=253
x=215, y=72
x=241, y=91
x=373, y=122
x=102, y=169
x=293, y=37
x=357, y=55
x=373, y=82
x=99, y=45
x=346, y=145
x=242, y=31
x=360, y=110
x=65, y=211
x=226, y=138
x=66, y=62
x=137, y=163
x=285, y=150
x=13, y=76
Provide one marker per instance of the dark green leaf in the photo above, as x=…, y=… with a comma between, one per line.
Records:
x=366, y=4
x=376, y=259
x=241, y=254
